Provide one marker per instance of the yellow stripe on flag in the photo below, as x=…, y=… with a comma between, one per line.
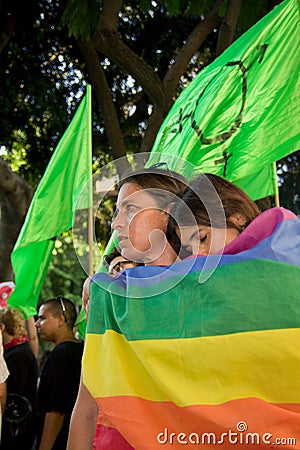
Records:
x=205, y=370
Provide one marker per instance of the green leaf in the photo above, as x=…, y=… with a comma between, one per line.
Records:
x=81, y=18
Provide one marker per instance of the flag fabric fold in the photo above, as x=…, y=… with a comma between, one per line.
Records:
x=241, y=113
x=172, y=362
x=52, y=208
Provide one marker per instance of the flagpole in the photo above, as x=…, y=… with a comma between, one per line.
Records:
x=277, y=201
x=90, y=191
x=276, y=190
x=90, y=240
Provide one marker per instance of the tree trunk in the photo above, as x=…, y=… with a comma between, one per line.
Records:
x=160, y=92
x=4, y=40
x=228, y=25
x=15, y=197
x=188, y=50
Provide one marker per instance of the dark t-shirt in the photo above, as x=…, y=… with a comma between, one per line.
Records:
x=22, y=380
x=58, y=387
x=23, y=371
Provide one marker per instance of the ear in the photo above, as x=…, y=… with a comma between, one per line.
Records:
x=2, y=327
x=238, y=219
x=166, y=212
x=61, y=321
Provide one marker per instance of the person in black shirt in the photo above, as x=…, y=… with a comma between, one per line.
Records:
x=22, y=379
x=60, y=375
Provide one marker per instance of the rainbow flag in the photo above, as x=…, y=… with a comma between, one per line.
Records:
x=173, y=361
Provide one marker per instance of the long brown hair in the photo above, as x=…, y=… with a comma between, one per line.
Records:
x=168, y=184
x=209, y=198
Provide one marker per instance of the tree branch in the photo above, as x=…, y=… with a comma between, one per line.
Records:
x=17, y=190
x=15, y=197
x=110, y=14
x=109, y=43
x=104, y=98
x=228, y=25
x=139, y=115
x=4, y=40
x=193, y=42
x=154, y=123
x=8, y=30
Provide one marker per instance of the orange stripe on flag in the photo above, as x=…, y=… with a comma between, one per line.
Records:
x=251, y=423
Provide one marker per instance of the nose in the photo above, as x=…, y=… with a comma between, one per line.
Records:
x=202, y=252
x=36, y=323
x=118, y=222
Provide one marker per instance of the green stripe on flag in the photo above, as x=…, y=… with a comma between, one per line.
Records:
x=230, y=301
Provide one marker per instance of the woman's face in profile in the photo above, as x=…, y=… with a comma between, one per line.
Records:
x=203, y=240
x=140, y=225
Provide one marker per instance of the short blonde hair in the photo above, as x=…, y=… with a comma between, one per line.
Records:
x=13, y=320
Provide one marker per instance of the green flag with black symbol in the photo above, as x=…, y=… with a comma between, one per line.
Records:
x=242, y=112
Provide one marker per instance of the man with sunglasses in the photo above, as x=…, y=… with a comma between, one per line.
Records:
x=60, y=375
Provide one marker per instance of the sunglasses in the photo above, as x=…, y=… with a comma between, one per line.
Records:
x=121, y=265
x=159, y=165
x=63, y=308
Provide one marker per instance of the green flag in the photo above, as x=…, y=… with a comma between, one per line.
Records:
x=52, y=208
x=241, y=113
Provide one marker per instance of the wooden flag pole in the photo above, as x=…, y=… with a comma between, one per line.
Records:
x=277, y=200
x=90, y=192
x=90, y=240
